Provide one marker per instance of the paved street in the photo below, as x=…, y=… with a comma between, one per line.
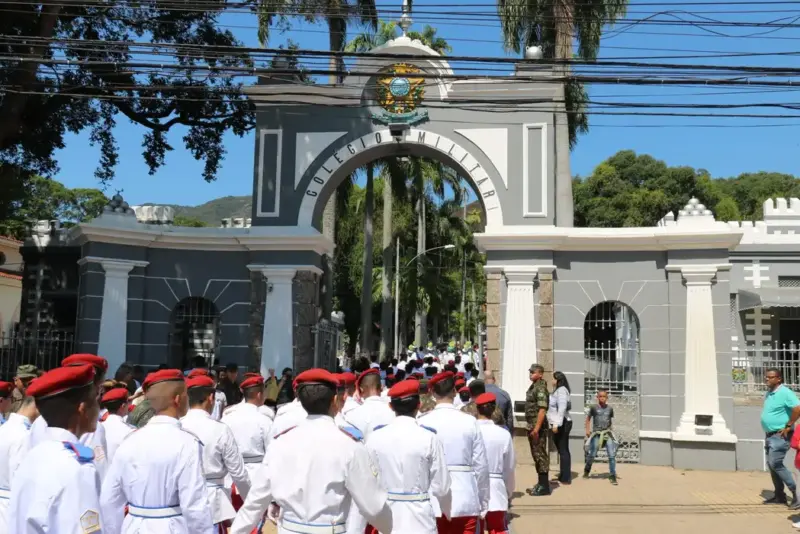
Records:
x=656, y=499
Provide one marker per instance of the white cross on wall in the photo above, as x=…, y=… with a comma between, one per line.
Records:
x=756, y=269
x=761, y=328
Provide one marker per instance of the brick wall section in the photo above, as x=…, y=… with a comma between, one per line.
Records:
x=545, y=320
x=493, y=361
x=305, y=306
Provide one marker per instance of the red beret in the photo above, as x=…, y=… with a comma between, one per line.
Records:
x=6, y=388
x=252, y=375
x=413, y=377
x=460, y=383
x=371, y=371
x=347, y=379
x=485, y=398
x=403, y=389
x=460, y=374
x=389, y=377
x=115, y=394
x=316, y=376
x=438, y=377
x=252, y=382
x=197, y=372
x=418, y=374
x=451, y=362
x=85, y=359
x=61, y=380
x=463, y=389
x=164, y=375
x=200, y=381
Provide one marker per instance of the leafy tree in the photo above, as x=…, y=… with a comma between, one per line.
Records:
x=192, y=222
x=727, y=210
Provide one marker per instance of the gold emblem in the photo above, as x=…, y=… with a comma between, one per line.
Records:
x=90, y=522
x=400, y=89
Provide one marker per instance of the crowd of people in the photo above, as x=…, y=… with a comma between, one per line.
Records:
x=409, y=446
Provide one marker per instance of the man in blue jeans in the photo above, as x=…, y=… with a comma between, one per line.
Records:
x=781, y=410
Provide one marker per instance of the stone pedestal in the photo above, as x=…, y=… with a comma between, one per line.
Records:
x=306, y=317
x=258, y=290
x=112, y=343
x=546, y=315
x=493, y=361
x=519, y=341
x=701, y=388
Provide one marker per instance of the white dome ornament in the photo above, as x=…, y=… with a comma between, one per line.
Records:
x=534, y=52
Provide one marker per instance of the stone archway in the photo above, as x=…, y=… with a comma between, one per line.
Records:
x=355, y=153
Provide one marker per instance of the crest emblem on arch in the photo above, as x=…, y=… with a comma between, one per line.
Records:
x=400, y=89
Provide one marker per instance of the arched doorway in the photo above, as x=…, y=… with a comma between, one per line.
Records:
x=194, y=332
x=611, y=362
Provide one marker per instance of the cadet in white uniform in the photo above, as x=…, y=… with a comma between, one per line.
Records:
x=315, y=472
x=220, y=454
x=157, y=471
x=411, y=463
x=95, y=440
x=374, y=410
x=347, y=381
x=288, y=416
x=466, y=458
x=220, y=400
x=56, y=488
x=501, y=460
x=115, y=402
x=14, y=446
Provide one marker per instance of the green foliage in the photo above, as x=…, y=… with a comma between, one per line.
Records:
x=192, y=222
x=727, y=210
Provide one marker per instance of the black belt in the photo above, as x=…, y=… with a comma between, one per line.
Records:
x=770, y=434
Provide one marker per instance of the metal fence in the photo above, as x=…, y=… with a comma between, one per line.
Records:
x=45, y=352
x=750, y=364
x=326, y=345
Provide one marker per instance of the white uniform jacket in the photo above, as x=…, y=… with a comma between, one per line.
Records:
x=56, y=489
x=373, y=411
x=220, y=402
x=501, y=460
x=157, y=472
x=116, y=430
x=411, y=466
x=14, y=445
x=221, y=457
x=350, y=403
x=315, y=472
x=94, y=440
x=251, y=431
x=466, y=460
x=289, y=415
x=268, y=411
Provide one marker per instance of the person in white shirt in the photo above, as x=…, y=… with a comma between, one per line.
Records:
x=465, y=453
x=501, y=461
x=347, y=389
x=221, y=455
x=14, y=445
x=220, y=400
x=316, y=472
x=56, y=488
x=373, y=410
x=411, y=463
x=251, y=430
x=115, y=403
x=157, y=471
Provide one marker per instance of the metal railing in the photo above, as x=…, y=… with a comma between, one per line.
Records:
x=750, y=365
x=43, y=351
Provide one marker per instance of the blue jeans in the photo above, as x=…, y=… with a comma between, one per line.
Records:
x=611, y=450
x=776, y=448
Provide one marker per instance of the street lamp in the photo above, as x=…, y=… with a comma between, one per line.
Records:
x=397, y=290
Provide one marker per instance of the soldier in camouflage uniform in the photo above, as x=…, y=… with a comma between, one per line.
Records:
x=25, y=374
x=536, y=401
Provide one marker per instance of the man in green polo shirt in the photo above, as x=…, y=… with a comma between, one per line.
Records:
x=781, y=410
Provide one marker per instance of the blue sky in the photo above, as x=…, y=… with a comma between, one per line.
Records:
x=725, y=151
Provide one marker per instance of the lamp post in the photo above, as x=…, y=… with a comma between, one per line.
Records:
x=397, y=290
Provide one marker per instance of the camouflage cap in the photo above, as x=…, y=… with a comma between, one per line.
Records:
x=27, y=371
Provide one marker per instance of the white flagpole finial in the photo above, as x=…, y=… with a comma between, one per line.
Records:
x=405, y=18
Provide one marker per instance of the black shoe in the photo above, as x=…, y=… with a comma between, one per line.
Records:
x=613, y=480
x=778, y=498
x=586, y=474
x=540, y=491
x=795, y=504
x=531, y=491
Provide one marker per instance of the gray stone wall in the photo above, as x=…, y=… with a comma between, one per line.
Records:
x=493, y=322
x=306, y=306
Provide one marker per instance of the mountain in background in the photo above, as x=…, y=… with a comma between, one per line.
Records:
x=213, y=211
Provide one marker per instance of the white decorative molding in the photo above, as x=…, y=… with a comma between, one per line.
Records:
x=413, y=136
x=526, y=237
x=154, y=214
x=207, y=239
x=308, y=146
x=701, y=389
x=519, y=341
x=111, y=261
x=755, y=274
x=279, y=158
x=655, y=434
x=493, y=142
x=526, y=211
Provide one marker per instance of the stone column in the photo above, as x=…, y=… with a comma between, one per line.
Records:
x=493, y=281
x=546, y=315
x=112, y=343
x=277, y=343
x=256, y=314
x=701, y=394
x=519, y=340
x=306, y=317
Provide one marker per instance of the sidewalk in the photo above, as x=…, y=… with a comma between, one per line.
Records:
x=654, y=500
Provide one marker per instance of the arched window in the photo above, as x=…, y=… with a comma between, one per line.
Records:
x=611, y=362
x=194, y=332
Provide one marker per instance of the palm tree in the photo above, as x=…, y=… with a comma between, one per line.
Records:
x=551, y=24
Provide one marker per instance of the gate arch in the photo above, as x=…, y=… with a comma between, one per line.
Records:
x=611, y=361
x=357, y=152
